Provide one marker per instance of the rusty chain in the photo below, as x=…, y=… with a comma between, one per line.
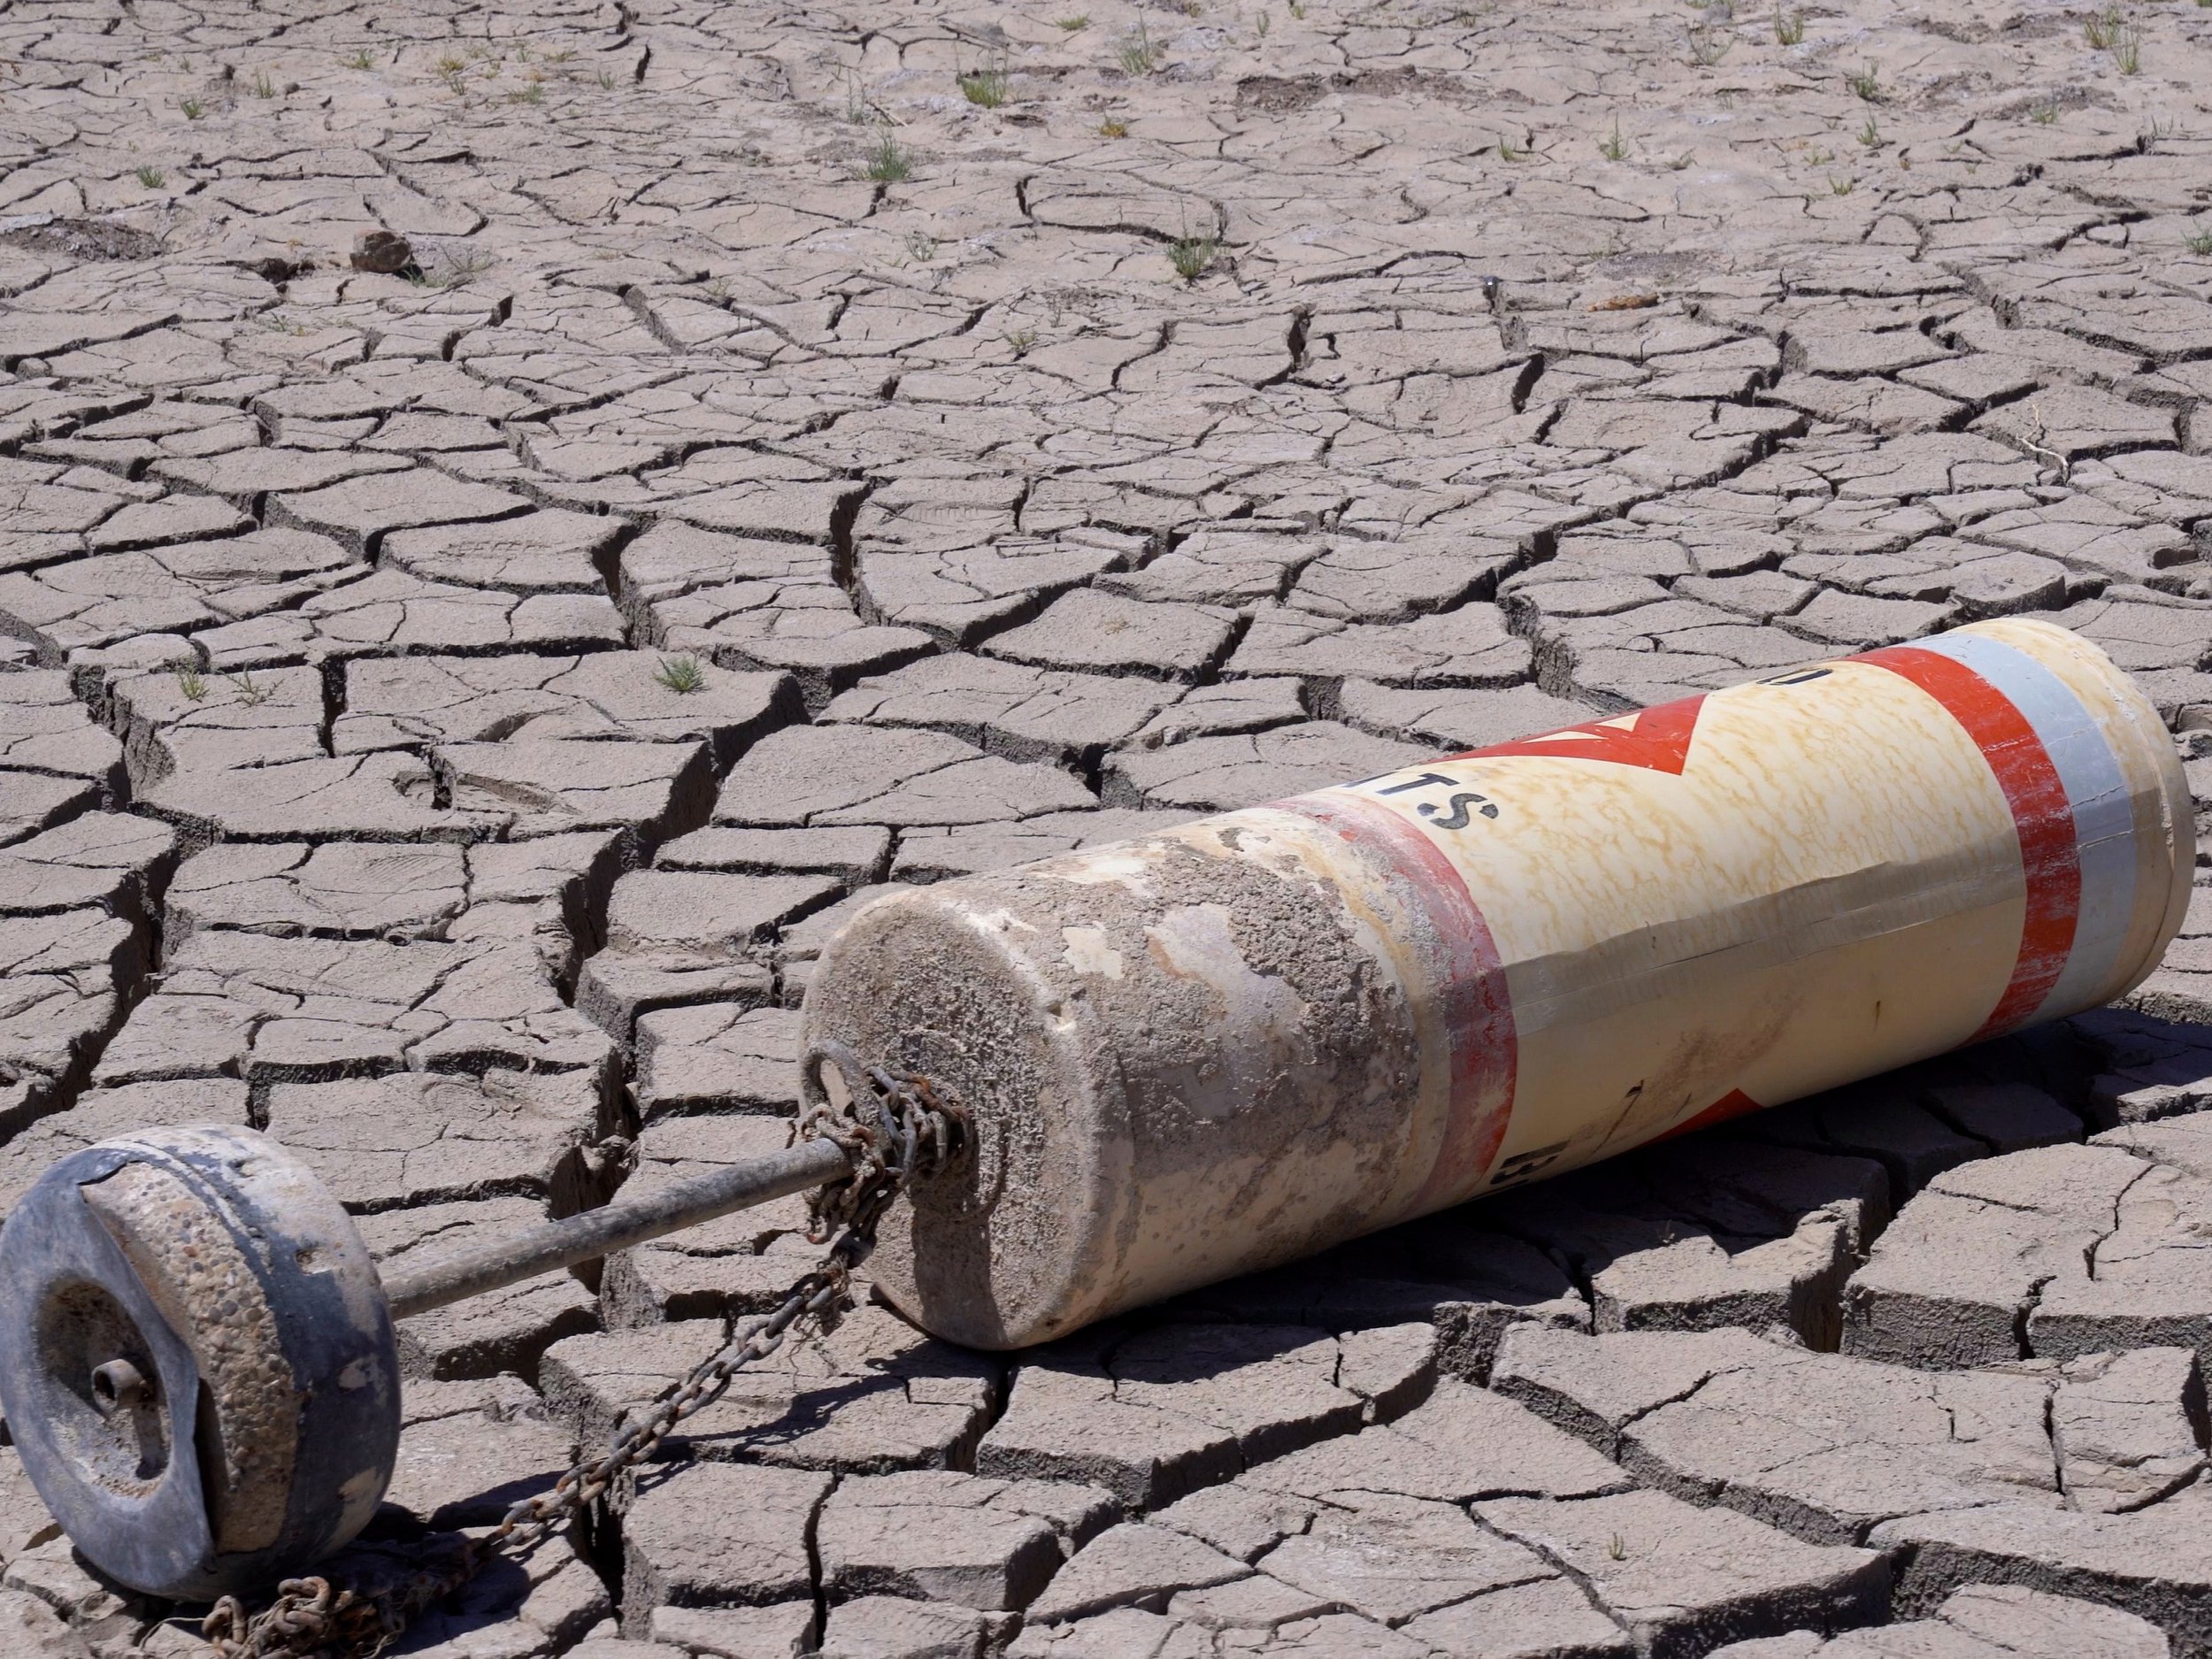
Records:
x=894, y=1127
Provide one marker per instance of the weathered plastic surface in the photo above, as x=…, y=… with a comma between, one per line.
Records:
x=214, y=1264
x=1227, y=1045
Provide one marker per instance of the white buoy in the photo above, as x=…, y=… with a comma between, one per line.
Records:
x=1230, y=1045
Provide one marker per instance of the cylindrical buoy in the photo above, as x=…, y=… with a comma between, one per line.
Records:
x=1224, y=1046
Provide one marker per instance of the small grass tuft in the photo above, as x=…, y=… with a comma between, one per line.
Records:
x=2199, y=241
x=534, y=92
x=1020, y=341
x=1191, y=255
x=1866, y=85
x=151, y=178
x=888, y=162
x=1073, y=25
x=2101, y=28
x=682, y=675
x=1709, y=43
x=1614, y=146
x=921, y=245
x=261, y=86
x=358, y=59
x=1789, y=28
x=460, y=272
x=192, y=109
x=1508, y=150
x=2044, y=113
x=1840, y=185
x=1136, y=54
x=1870, y=134
x=243, y=683
x=1113, y=126
x=984, y=87
x=190, y=680
x=2127, y=51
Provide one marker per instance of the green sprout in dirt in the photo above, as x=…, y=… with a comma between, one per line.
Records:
x=682, y=675
x=1191, y=255
x=190, y=681
x=192, y=109
x=856, y=107
x=2199, y=241
x=1079, y=21
x=261, y=86
x=1614, y=147
x=1789, y=28
x=888, y=163
x=984, y=87
x=2044, y=113
x=1113, y=126
x=1866, y=85
x=1709, y=43
x=1838, y=186
x=2101, y=28
x=358, y=59
x=243, y=683
x=1137, y=55
x=2127, y=51
x=1870, y=134
x=151, y=178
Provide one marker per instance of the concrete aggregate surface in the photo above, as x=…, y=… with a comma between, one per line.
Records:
x=516, y=520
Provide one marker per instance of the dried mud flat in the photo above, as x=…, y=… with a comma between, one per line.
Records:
x=1031, y=426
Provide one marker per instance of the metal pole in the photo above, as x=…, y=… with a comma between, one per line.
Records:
x=597, y=1232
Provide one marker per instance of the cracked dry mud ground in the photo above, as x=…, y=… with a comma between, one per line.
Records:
x=1201, y=404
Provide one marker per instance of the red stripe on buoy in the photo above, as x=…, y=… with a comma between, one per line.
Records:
x=1657, y=739
x=1735, y=1103
x=2041, y=815
x=1464, y=974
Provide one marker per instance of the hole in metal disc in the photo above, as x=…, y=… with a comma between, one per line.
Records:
x=120, y=1385
x=86, y=1345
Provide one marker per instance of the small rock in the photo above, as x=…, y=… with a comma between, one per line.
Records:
x=382, y=252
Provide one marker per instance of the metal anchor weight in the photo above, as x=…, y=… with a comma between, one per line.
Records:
x=196, y=1357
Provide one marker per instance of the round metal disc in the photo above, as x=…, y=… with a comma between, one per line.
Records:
x=195, y=1360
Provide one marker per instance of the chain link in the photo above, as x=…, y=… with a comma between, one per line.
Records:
x=894, y=1128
